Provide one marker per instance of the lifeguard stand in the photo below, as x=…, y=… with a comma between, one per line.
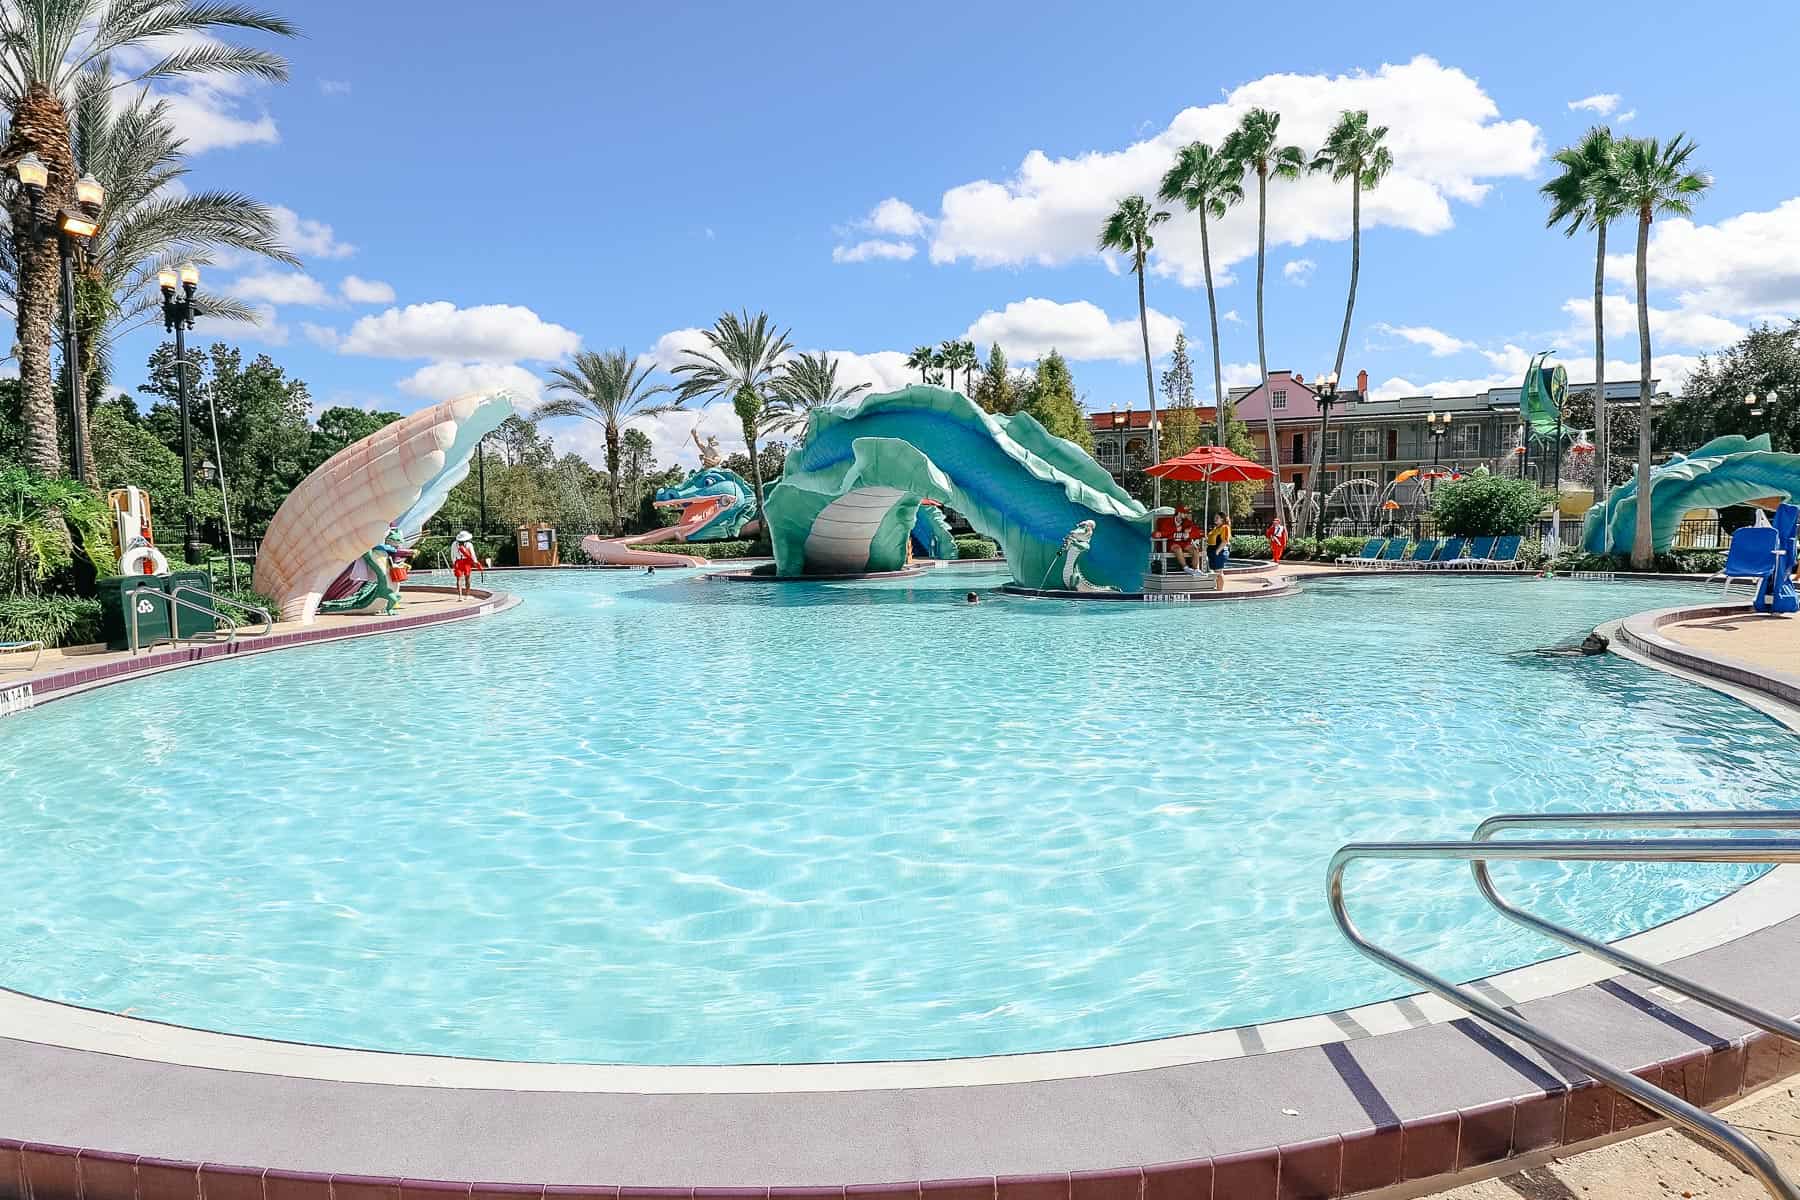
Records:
x=537, y=546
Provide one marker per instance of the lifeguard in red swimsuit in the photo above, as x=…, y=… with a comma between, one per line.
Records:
x=463, y=562
x=1278, y=536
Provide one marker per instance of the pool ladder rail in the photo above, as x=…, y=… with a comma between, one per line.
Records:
x=208, y=605
x=1480, y=850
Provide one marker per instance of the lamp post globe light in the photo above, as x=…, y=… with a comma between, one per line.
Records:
x=1326, y=394
x=73, y=228
x=178, y=317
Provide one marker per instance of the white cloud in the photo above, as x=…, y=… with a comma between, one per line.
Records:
x=873, y=248
x=672, y=347
x=1685, y=327
x=1438, y=343
x=1231, y=314
x=267, y=329
x=209, y=118
x=1670, y=370
x=1601, y=103
x=444, y=380
x=488, y=333
x=1446, y=136
x=1397, y=387
x=358, y=290
x=668, y=434
x=334, y=87
x=1027, y=329
x=321, y=335
x=896, y=218
x=1299, y=271
x=883, y=371
x=308, y=238
x=279, y=287
x=1746, y=265
x=1628, y=116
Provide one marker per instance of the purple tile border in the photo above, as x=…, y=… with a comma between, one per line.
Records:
x=1321, y=1169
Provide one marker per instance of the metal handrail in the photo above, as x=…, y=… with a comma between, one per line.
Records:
x=1702, y=1124
x=254, y=609
x=172, y=598
x=1775, y=819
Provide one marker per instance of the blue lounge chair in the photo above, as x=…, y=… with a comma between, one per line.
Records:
x=1395, y=552
x=1505, y=554
x=1423, y=553
x=1751, y=557
x=1479, y=550
x=1370, y=552
x=1450, y=553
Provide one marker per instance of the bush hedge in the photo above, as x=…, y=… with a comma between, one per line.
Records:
x=976, y=547
x=1483, y=505
x=52, y=620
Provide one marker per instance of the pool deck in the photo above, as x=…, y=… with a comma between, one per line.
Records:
x=1400, y=1097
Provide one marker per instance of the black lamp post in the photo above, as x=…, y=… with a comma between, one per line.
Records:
x=72, y=228
x=481, y=480
x=1438, y=426
x=1326, y=394
x=178, y=316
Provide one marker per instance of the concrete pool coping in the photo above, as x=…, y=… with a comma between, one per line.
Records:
x=1321, y=1105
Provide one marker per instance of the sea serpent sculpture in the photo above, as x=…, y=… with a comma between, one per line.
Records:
x=1725, y=471
x=396, y=478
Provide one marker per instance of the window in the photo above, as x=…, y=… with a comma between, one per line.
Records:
x=1107, y=452
x=1366, y=443
x=1279, y=399
x=1331, y=444
x=1466, y=439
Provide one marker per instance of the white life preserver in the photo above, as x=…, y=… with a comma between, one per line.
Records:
x=152, y=560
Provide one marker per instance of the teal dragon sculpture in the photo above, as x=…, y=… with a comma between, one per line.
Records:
x=1727, y=470
x=723, y=494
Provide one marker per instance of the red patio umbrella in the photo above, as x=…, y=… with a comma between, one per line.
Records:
x=1211, y=464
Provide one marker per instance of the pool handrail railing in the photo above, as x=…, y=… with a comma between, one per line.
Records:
x=1479, y=850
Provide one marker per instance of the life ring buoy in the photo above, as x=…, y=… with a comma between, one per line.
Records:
x=151, y=559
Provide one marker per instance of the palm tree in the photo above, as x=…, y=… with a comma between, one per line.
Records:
x=741, y=365
x=920, y=360
x=1586, y=195
x=45, y=46
x=148, y=223
x=803, y=383
x=971, y=362
x=1352, y=151
x=1127, y=231
x=949, y=357
x=608, y=389
x=1653, y=178
x=1253, y=145
x=1208, y=183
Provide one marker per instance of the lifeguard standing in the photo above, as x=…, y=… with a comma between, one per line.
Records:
x=1278, y=536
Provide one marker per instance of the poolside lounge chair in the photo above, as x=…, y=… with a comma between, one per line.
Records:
x=1479, y=550
x=21, y=647
x=1449, y=554
x=1423, y=553
x=1505, y=554
x=1751, y=557
x=1370, y=552
x=1395, y=553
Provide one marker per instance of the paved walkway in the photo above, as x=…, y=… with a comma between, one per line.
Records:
x=1769, y=643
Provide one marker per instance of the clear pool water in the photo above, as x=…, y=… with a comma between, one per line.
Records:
x=660, y=820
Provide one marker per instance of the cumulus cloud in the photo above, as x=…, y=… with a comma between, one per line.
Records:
x=883, y=371
x=1626, y=117
x=1438, y=343
x=896, y=218
x=279, y=287
x=1027, y=329
x=1299, y=271
x=210, y=118
x=334, y=87
x=358, y=290
x=1446, y=135
x=1685, y=327
x=266, y=329
x=1669, y=370
x=1745, y=265
x=321, y=335
x=444, y=380
x=308, y=238
x=1600, y=102
x=488, y=333
x=873, y=248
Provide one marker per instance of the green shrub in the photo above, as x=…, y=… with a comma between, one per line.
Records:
x=1249, y=545
x=1482, y=505
x=52, y=620
x=732, y=549
x=1674, y=562
x=976, y=547
x=1337, y=546
x=1300, y=549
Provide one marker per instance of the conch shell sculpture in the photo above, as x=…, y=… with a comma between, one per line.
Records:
x=397, y=477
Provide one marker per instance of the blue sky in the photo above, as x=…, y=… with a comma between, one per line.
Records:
x=476, y=198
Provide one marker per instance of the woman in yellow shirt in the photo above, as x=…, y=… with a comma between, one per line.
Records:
x=1218, y=543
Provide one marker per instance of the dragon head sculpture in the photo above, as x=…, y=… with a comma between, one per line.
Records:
x=715, y=504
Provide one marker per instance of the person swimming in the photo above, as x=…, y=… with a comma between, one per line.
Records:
x=972, y=598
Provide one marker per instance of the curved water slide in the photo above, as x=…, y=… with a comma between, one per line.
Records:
x=395, y=478
x=1725, y=471
x=625, y=551
x=849, y=497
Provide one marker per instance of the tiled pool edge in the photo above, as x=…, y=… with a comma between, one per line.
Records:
x=61, y=683
x=1642, y=633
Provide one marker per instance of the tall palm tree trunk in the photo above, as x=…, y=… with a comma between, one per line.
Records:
x=1149, y=387
x=1212, y=312
x=756, y=479
x=39, y=124
x=1315, y=473
x=1602, y=435
x=1262, y=352
x=1641, y=550
x=612, y=478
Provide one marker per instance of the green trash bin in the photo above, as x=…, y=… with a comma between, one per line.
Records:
x=117, y=606
x=188, y=621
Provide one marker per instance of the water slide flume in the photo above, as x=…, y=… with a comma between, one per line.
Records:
x=849, y=498
x=396, y=478
x=1727, y=470
x=715, y=505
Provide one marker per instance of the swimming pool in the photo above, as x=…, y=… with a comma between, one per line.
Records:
x=661, y=820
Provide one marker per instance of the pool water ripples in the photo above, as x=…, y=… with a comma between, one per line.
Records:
x=661, y=820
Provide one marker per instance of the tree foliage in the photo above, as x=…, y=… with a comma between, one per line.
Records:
x=1765, y=360
x=1484, y=505
x=1051, y=400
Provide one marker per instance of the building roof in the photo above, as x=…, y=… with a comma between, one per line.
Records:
x=1136, y=418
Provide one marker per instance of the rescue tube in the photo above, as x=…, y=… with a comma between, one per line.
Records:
x=143, y=560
